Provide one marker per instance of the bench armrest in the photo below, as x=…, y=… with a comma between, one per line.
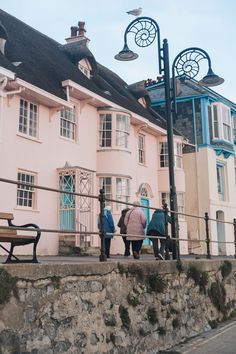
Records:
x=37, y=229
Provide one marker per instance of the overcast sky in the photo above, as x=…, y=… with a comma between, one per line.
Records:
x=208, y=24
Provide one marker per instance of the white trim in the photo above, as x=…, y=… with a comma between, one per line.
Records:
x=5, y=72
x=44, y=93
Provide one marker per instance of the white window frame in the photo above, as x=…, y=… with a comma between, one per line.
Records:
x=164, y=156
x=26, y=195
x=122, y=130
x=235, y=168
x=84, y=67
x=106, y=183
x=221, y=122
x=141, y=149
x=122, y=191
x=105, y=130
x=234, y=127
x=178, y=154
x=220, y=175
x=180, y=202
x=121, y=187
x=28, y=118
x=68, y=124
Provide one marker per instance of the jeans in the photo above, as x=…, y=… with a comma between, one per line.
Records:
x=107, y=246
x=155, y=244
x=127, y=246
x=136, y=245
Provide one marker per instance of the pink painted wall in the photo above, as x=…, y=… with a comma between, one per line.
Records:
x=49, y=152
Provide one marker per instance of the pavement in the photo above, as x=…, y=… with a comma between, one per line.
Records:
x=113, y=258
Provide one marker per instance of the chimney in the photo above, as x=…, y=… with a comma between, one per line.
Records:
x=3, y=38
x=77, y=34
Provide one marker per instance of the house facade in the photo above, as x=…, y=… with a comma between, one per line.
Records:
x=208, y=122
x=69, y=123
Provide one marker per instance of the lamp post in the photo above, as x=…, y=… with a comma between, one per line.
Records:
x=145, y=31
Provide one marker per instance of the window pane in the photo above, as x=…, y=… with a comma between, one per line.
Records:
x=105, y=130
x=25, y=194
x=141, y=147
x=122, y=130
x=220, y=182
x=68, y=123
x=122, y=192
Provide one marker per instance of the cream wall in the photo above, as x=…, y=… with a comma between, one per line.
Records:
x=202, y=196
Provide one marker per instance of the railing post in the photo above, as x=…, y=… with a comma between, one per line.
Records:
x=167, y=250
x=206, y=218
x=101, y=198
x=234, y=222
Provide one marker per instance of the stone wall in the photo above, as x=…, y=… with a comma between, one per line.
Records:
x=128, y=307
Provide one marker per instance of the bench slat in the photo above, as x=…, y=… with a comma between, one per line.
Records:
x=6, y=216
x=7, y=232
x=18, y=238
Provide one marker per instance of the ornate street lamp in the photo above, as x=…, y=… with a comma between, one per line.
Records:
x=186, y=64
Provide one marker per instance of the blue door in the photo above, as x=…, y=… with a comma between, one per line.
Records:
x=145, y=202
x=67, y=202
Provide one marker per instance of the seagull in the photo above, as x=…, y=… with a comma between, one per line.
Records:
x=135, y=12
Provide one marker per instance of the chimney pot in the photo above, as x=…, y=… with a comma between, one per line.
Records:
x=81, y=28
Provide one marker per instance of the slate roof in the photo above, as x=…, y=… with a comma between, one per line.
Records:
x=46, y=63
x=186, y=88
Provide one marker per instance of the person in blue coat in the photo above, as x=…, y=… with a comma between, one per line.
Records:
x=109, y=228
x=157, y=227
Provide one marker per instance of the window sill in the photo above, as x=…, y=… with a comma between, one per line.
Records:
x=142, y=164
x=28, y=137
x=112, y=150
x=67, y=139
x=26, y=209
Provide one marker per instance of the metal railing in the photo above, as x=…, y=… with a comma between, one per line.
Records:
x=102, y=200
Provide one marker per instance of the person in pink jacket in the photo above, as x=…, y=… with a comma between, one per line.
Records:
x=135, y=221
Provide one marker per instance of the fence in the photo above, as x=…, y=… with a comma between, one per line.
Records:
x=102, y=200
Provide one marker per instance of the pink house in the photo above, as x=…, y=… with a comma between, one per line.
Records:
x=67, y=122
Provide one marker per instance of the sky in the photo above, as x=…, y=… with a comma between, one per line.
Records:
x=207, y=24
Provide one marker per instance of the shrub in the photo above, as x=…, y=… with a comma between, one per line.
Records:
x=156, y=283
x=7, y=286
x=213, y=324
x=152, y=315
x=225, y=268
x=179, y=266
x=132, y=300
x=200, y=278
x=124, y=316
x=217, y=294
x=175, y=323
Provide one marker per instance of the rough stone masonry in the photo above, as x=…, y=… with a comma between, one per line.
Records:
x=111, y=307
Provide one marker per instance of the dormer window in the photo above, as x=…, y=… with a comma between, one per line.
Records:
x=85, y=67
x=142, y=101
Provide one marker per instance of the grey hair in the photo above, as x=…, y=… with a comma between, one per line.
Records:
x=136, y=203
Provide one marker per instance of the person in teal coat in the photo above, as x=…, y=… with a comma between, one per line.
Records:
x=157, y=227
x=109, y=228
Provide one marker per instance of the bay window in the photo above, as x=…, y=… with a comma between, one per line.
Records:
x=118, y=187
x=122, y=130
x=114, y=130
x=178, y=154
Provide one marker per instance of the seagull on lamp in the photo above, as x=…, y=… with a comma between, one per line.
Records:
x=135, y=12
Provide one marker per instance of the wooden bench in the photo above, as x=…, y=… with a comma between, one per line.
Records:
x=11, y=236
